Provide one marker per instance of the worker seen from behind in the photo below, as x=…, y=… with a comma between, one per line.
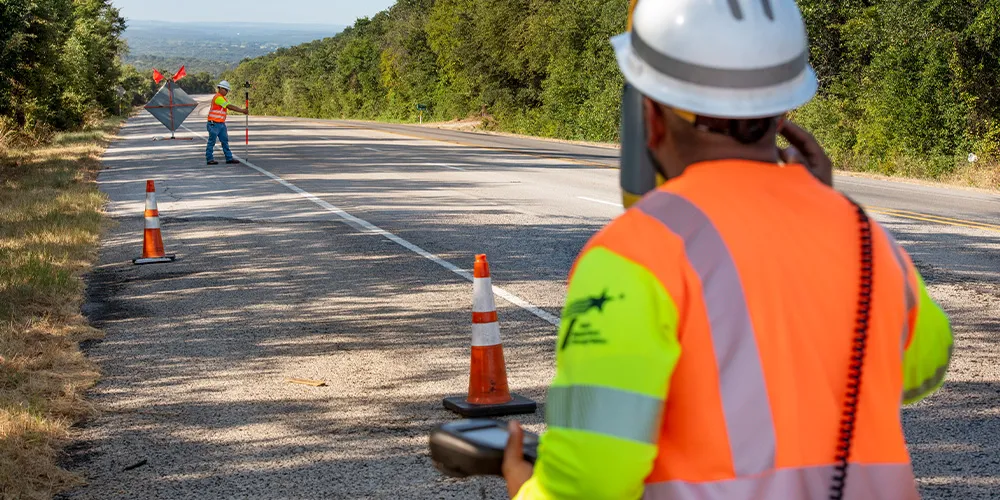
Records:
x=744, y=331
x=217, y=124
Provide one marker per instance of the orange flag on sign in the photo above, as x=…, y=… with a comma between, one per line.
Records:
x=157, y=76
x=181, y=73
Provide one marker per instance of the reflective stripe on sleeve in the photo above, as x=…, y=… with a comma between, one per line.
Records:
x=604, y=410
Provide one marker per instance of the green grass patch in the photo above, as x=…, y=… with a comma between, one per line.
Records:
x=50, y=222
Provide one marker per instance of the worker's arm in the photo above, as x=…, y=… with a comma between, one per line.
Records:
x=222, y=101
x=616, y=351
x=928, y=350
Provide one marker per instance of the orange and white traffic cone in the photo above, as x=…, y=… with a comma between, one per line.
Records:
x=488, y=391
x=152, y=242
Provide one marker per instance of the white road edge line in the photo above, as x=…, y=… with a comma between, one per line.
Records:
x=375, y=150
x=595, y=200
x=442, y=165
x=372, y=228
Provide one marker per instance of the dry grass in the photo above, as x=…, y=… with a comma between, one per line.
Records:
x=49, y=227
x=985, y=175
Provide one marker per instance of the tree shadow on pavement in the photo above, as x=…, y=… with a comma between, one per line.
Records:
x=197, y=352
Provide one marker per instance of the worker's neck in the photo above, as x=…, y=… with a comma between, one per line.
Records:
x=757, y=152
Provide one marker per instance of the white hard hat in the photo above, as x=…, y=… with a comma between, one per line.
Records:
x=721, y=58
x=224, y=85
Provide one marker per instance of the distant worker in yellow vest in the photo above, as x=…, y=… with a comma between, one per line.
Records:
x=744, y=331
x=217, y=124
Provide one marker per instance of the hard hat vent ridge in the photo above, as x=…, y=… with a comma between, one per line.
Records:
x=767, y=9
x=734, y=7
x=737, y=11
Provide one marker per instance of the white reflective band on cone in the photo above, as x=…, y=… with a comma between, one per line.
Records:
x=482, y=296
x=152, y=222
x=150, y=201
x=485, y=334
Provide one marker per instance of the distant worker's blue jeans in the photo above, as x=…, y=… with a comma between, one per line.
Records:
x=217, y=130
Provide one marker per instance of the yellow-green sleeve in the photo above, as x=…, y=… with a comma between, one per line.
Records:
x=221, y=101
x=615, y=354
x=926, y=358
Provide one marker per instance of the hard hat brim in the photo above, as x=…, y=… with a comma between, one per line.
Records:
x=719, y=102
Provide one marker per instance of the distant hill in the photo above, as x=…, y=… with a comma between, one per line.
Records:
x=211, y=47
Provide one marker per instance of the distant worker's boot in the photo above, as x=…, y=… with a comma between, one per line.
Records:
x=212, y=162
x=232, y=162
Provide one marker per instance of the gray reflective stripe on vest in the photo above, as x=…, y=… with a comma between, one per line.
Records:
x=749, y=423
x=733, y=78
x=612, y=412
x=864, y=481
x=897, y=251
x=911, y=301
x=638, y=175
x=910, y=295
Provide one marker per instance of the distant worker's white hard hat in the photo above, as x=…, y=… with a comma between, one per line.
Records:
x=722, y=58
x=224, y=85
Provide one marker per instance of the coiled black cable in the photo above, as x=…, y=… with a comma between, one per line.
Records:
x=849, y=417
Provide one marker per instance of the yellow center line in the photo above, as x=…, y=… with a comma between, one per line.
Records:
x=906, y=214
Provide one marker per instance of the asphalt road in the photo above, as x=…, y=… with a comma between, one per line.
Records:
x=341, y=255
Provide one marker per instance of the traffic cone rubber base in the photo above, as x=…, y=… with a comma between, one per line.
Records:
x=516, y=406
x=155, y=260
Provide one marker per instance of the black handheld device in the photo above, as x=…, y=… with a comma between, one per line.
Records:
x=475, y=447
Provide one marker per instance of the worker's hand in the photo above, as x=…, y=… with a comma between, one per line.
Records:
x=516, y=470
x=805, y=149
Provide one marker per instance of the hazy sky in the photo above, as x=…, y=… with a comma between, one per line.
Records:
x=278, y=11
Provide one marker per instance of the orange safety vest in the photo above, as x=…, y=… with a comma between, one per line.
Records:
x=758, y=392
x=217, y=113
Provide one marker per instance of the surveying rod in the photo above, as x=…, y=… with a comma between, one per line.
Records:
x=246, y=103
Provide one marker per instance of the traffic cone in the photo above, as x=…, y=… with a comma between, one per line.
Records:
x=488, y=393
x=152, y=242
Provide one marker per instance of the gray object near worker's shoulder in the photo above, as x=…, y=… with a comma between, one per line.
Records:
x=638, y=175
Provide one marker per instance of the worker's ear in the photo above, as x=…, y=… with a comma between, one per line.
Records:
x=656, y=124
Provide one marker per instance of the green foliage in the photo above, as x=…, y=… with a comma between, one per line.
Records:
x=533, y=66
x=198, y=83
x=59, y=61
x=907, y=86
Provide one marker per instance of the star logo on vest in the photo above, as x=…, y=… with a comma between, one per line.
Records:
x=583, y=306
x=583, y=332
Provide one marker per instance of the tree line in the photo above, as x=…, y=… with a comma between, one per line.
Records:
x=906, y=85
x=61, y=65
x=59, y=61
